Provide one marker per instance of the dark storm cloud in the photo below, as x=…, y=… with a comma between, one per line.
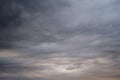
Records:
x=14, y=16
x=11, y=10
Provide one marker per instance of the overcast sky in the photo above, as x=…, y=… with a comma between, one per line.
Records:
x=59, y=40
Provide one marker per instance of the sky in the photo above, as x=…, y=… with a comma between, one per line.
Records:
x=59, y=40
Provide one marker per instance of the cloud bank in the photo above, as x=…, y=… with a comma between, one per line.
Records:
x=59, y=39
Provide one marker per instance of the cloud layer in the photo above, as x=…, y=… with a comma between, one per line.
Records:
x=54, y=40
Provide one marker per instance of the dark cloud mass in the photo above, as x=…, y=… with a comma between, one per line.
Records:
x=59, y=40
x=18, y=15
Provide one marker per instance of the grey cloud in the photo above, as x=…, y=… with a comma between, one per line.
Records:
x=98, y=19
x=46, y=29
x=11, y=67
x=20, y=78
x=15, y=16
